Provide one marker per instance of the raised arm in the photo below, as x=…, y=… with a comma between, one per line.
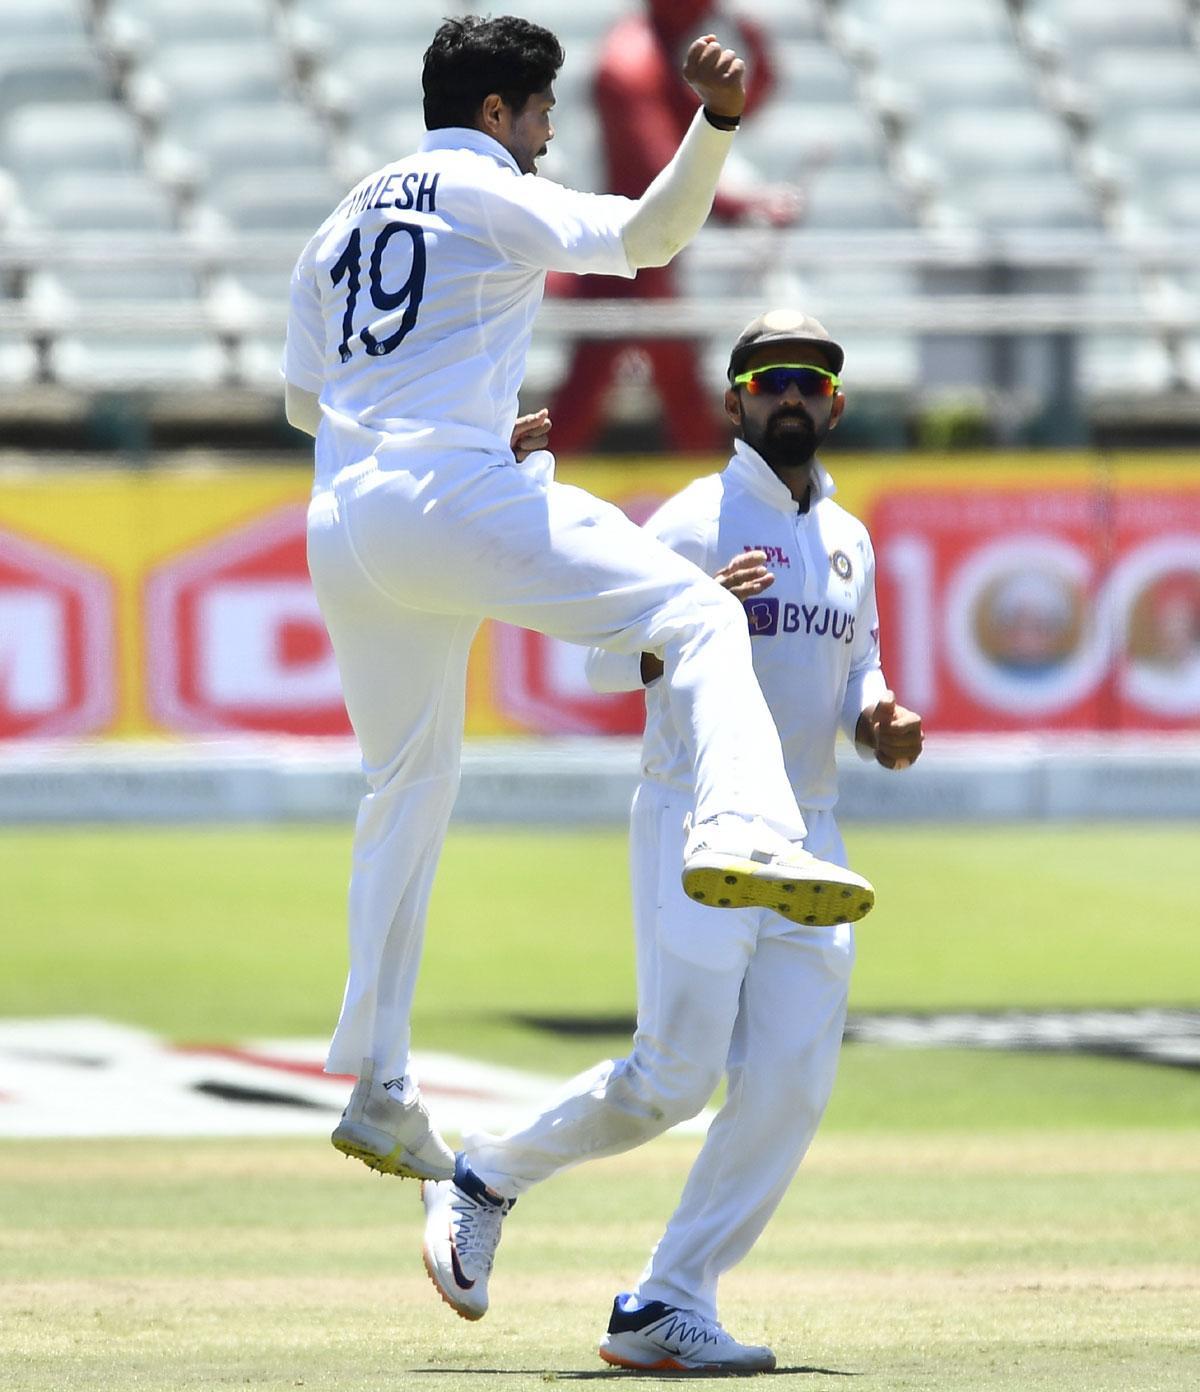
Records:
x=675, y=206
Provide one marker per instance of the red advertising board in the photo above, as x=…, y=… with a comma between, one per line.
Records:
x=1026, y=609
x=57, y=667
x=235, y=640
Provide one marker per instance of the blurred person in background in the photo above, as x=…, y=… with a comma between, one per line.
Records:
x=644, y=107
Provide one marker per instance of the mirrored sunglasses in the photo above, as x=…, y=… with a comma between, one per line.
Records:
x=775, y=378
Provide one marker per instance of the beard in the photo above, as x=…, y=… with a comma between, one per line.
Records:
x=788, y=440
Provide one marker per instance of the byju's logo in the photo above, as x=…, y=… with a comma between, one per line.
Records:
x=763, y=614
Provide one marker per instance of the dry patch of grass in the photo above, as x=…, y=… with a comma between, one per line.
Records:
x=1051, y=1263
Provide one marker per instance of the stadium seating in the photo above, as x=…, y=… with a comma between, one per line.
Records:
x=57, y=22
x=45, y=137
x=182, y=82
x=1070, y=33
x=58, y=72
x=244, y=121
x=785, y=19
x=133, y=29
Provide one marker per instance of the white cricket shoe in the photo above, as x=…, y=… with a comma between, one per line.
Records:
x=735, y=864
x=391, y=1135
x=462, y=1232
x=661, y=1338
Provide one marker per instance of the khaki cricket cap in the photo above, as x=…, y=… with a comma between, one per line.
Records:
x=784, y=326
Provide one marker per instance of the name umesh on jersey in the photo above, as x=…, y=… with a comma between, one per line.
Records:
x=417, y=193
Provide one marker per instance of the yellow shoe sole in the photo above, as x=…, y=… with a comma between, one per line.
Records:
x=729, y=882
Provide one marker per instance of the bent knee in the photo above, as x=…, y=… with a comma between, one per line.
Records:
x=668, y=1093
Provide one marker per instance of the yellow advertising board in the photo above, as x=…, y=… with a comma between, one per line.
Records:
x=175, y=601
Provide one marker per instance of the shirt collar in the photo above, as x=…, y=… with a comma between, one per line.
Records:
x=753, y=472
x=467, y=138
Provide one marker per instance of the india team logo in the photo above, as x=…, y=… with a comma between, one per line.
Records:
x=841, y=565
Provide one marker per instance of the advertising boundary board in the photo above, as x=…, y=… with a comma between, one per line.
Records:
x=1019, y=593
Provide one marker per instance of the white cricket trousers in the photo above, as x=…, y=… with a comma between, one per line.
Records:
x=737, y=992
x=408, y=551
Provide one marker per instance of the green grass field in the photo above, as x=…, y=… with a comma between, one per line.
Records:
x=967, y=1220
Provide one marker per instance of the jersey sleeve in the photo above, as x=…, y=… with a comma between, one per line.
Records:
x=541, y=224
x=609, y=671
x=304, y=349
x=865, y=683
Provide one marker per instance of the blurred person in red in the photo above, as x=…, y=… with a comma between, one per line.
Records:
x=644, y=108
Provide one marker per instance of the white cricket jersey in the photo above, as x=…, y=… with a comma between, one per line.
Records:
x=412, y=306
x=814, y=633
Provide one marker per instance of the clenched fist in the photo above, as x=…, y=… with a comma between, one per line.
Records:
x=717, y=76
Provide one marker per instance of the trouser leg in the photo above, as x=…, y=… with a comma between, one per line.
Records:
x=398, y=839
x=552, y=558
x=404, y=680
x=782, y=1066
x=690, y=969
x=405, y=561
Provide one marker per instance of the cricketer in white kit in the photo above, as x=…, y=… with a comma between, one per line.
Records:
x=746, y=995
x=411, y=313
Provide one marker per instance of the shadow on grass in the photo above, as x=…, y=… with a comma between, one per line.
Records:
x=627, y=1374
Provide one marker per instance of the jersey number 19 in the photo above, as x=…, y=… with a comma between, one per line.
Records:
x=348, y=267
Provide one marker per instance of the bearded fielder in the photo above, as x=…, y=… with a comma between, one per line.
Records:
x=746, y=994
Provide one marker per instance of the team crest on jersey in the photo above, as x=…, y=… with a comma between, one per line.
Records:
x=841, y=565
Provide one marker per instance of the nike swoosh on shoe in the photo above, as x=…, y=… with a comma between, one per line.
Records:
x=460, y=1277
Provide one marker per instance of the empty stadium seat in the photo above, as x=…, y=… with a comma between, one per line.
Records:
x=258, y=205
x=134, y=28
x=50, y=137
x=367, y=83
x=267, y=202
x=1017, y=202
x=875, y=29
x=1069, y=32
x=182, y=82
x=134, y=326
x=1123, y=80
x=324, y=27
x=955, y=77
x=1150, y=145
x=811, y=72
x=569, y=19
x=268, y=136
x=98, y=202
x=855, y=200
x=966, y=141
x=783, y=19
x=388, y=138
x=1175, y=201
x=31, y=26
x=53, y=73
x=788, y=140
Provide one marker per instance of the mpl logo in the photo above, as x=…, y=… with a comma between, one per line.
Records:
x=235, y=639
x=57, y=660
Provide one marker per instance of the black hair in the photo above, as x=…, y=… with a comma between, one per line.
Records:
x=471, y=57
